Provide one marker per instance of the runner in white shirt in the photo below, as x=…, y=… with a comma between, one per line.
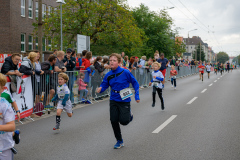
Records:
x=208, y=67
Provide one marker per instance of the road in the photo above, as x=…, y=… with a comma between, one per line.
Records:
x=203, y=128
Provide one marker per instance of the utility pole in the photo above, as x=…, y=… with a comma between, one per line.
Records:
x=40, y=28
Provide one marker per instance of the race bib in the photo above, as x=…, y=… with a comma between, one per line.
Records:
x=61, y=95
x=155, y=84
x=174, y=77
x=126, y=93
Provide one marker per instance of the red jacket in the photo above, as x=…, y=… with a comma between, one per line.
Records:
x=86, y=63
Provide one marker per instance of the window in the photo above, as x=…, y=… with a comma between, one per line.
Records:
x=43, y=44
x=49, y=10
x=30, y=44
x=23, y=8
x=44, y=9
x=30, y=8
x=22, y=42
x=36, y=9
x=50, y=44
x=36, y=47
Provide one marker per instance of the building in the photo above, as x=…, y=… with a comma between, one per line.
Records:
x=191, y=46
x=16, y=29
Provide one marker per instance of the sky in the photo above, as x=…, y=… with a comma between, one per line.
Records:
x=217, y=21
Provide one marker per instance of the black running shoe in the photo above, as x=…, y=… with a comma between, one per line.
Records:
x=14, y=150
x=153, y=104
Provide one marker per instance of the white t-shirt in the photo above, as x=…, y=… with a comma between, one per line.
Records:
x=208, y=68
x=62, y=90
x=6, y=115
x=157, y=74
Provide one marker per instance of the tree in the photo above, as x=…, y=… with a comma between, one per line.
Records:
x=107, y=22
x=157, y=28
x=198, y=54
x=179, y=47
x=222, y=57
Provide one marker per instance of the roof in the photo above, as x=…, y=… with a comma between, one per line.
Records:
x=195, y=40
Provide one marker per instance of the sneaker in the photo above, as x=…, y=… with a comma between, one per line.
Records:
x=119, y=144
x=153, y=104
x=57, y=127
x=172, y=86
x=131, y=115
x=14, y=150
x=16, y=136
x=175, y=88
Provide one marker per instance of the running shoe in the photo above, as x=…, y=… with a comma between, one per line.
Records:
x=16, y=136
x=175, y=88
x=172, y=86
x=131, y=115
x=57, y=127
x=119, y=144
x=153, y=104
x=14, y=150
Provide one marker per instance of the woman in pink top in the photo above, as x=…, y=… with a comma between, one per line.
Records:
x=82, y=87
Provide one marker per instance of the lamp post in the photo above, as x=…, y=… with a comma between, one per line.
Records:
x=61, y=2
x=190, y=31
x=168, y=8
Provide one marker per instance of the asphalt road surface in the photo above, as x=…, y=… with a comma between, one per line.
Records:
x=201, y=122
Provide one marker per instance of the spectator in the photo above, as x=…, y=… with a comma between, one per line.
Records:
x=164, y=63
x=86, y=64
x=97, y=78
x=122, y=55
x=10, y=68
x=142, y=71
x=79, y=61
x=84, y=52
x=55, y=51
x=28, y=65
x=60, y=65
x=10, y=65
x=105, y=65
x=37, y=85
x=156, y=55
x=135, y=64
x=132, y=59
x=82, y=87
x=71, y=61
x=126, y=61
x=49, y=85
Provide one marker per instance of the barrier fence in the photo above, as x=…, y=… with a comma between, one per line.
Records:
x=83, y=85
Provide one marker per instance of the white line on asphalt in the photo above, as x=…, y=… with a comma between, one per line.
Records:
x=210, y=84
x=204, y=91
x=192, y=100
x=164, y=124
x=215, y=81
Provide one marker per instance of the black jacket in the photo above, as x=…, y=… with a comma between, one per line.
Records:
x=8, y=65
x=45, y=66
x=26, y=67
x=70, y=65
x=99, y=67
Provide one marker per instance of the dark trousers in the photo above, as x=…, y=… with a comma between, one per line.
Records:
x=119, y=113
x=159, y=91
x=173, y=81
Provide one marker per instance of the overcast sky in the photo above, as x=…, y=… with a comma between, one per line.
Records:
x=217, y=21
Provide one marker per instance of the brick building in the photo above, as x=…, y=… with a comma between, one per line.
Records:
x=16, y=29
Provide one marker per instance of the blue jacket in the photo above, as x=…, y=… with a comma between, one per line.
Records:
x=119, y=79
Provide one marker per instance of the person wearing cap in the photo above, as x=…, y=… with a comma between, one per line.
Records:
x=164, y=63
x=71, y=64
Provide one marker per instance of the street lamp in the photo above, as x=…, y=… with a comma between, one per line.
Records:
x=168, y=8
x=190, y=31
x=61, y=2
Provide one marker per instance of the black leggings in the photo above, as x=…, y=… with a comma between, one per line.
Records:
x=119, y=113
x=159, y=91
x=173, y=81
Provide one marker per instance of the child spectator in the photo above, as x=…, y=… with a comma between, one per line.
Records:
x=82, y=87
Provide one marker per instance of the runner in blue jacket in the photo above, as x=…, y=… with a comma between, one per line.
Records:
x=120, y=112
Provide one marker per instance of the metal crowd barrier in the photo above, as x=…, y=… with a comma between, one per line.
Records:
x=44, y=86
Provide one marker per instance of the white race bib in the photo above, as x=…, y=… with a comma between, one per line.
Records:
x=174, y=77
x=155, y=84
x=126, y=93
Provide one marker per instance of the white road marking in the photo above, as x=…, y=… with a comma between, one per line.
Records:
x=164, y=124
x=190, y=102
x=204, y=91
x=210, y=84
x=215, y=81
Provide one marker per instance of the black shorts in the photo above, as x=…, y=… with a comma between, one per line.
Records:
x=208, y=71
x=202, y=73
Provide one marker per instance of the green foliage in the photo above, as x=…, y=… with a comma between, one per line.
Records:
x=107, y=22
x=157, y=28
x=198, y=54
x=222, y=57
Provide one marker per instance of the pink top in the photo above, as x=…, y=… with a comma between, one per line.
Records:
x=81, y=84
